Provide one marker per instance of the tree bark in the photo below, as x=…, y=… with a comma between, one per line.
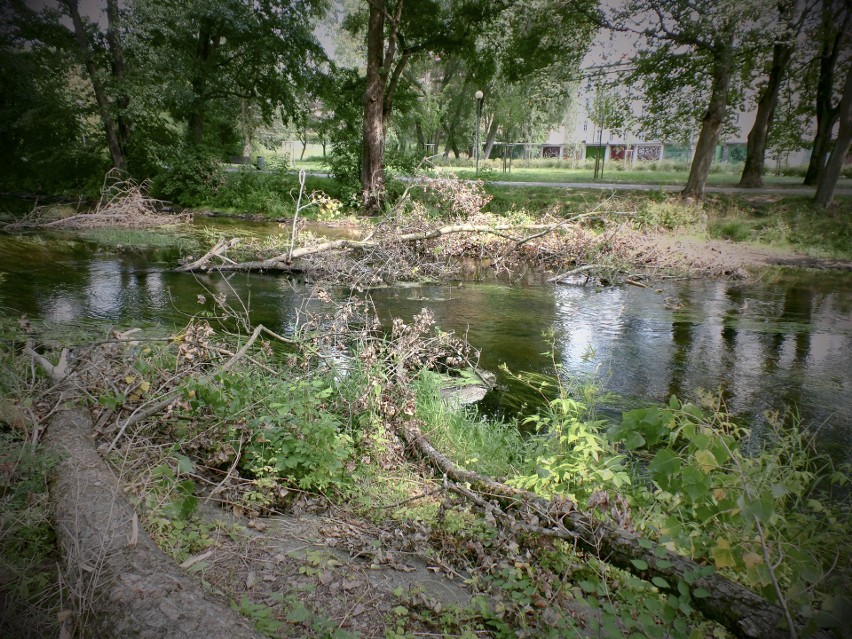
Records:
x=118, y=69
x=490, y=136
x=127, y=586
x=383, y=74
x=830, y=174
x=752, y=176
x=835, y=38
x=113, y=144
x=711, y=125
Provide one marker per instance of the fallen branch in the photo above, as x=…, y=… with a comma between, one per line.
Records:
x=59, y=371
x=574, y=271
x=281, y=262
x=744, y=613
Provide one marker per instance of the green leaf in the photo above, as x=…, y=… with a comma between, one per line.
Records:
x=700, y=593
x=640, y=564
x=185, y=465
x=659, y=582
x=706, y=460
x=664, y=465
x=299, y=614
x=645, y=543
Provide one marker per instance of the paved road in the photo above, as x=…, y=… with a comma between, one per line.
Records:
x=615, y=186
x=671, y=188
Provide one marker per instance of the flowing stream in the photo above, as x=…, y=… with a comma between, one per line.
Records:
x=784, y=342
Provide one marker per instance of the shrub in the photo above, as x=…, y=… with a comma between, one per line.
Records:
x=190, y=179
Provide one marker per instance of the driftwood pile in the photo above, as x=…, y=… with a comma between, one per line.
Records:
x=124, y=203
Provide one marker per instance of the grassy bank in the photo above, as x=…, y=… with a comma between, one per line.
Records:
x=284, y=429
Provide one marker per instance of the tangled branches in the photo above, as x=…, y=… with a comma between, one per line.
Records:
x=124, y=203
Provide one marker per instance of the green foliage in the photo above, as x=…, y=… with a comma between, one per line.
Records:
x=261, y=615
x=171, y=509
x=191, y=179
x=251, y=191
x=668, y=213
x=299, y=441
x=27, y=538
x=346, y=130
x=291, y=434
x=494, y=448
x=711, y=499
x=577, y=458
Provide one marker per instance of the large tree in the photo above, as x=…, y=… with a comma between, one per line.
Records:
x=791, y=17
x=835, y=43
x=472, y=40
x=211, y=56
x=688, y=64
x=829, y=175
x=396, y=32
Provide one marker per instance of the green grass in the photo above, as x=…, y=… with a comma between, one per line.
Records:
x=611, y=176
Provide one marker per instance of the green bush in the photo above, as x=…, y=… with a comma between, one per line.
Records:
x=251, y=191
x=190, y=179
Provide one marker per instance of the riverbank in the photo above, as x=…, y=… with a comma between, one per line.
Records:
x=318, y=485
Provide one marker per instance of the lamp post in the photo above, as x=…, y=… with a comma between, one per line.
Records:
x=479, y=96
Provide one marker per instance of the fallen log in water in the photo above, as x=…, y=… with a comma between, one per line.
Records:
x=125, y=585
x=739, y=609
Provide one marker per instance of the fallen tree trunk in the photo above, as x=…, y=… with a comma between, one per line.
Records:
x=740, y=610
x=125, y=585
x=283, y=261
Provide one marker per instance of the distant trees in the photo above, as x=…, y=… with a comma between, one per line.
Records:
x=688, y=65
x=792, y=15
x=163, y=76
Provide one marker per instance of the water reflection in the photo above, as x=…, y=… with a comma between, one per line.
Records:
x=763, y=346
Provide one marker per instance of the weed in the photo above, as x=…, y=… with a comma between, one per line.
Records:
x=28, y=591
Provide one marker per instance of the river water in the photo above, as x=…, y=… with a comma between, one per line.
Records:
x=785, y=342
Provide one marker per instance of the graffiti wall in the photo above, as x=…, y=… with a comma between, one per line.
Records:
x=649, y=152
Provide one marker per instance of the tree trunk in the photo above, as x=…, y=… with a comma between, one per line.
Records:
x=127, y=586
x=711, y=126
x=196, y=126
x=490, y=136
x=752, y=176
x=245, y=127
x=118, y=67
x=373, y=149
x=113, y=144
x=830, y=174
x=205, y=49
x=826, y=113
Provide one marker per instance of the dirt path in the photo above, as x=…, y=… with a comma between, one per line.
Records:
x=724, y=258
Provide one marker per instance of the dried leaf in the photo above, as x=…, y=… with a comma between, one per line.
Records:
x=752, y=559
x=195, y=559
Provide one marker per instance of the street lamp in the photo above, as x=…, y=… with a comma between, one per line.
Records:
x=479, y=96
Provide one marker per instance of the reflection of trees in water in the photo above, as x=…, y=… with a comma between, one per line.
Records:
x=794, y=311
x=683, y=334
